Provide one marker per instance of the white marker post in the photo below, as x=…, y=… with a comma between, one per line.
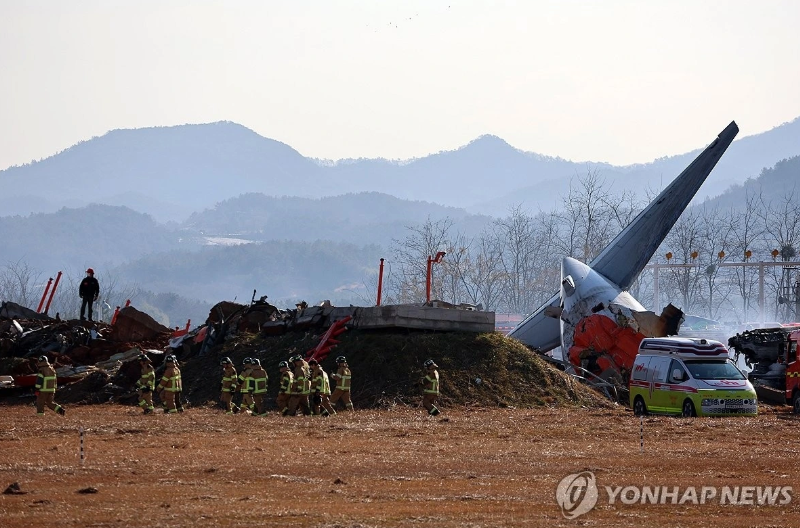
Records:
x=80, y=430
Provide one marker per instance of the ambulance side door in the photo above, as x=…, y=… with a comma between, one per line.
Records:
x=659, y=388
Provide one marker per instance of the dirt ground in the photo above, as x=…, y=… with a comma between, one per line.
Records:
x=396, y=467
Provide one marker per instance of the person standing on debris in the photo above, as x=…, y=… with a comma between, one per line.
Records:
x=320, y=390
x=342, y=377
x=301, y=388
x=245, y=385
x=46, y=383
x=431, y=388
x=146, y=384
x=229, y=383
x=260, y=379
x=89, y=290
x=169, y=384
x=285, y=388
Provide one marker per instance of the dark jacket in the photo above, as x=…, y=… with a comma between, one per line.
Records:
x=89, y=288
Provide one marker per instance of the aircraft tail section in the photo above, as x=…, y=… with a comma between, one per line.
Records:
x=630, y=251
x=627, y=255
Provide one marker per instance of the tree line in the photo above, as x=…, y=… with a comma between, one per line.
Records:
x=514, y=264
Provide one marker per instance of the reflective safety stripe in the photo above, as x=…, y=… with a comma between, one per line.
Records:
x=286, y=382
x=229, y=380
x=326, y=383
x=260, y=384
x=46, y=383
x=434, y=385
x=343, y=382
x=172, y=383
x=321, y=383
x=148, y=379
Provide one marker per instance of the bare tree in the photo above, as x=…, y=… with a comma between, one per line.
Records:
x=484, y=278
x=410, y=257
x=514, y=239
x=746, y=235
x=684, y=241
x=716, y=237
x=20, y=283
x=593, y=215
x=781, y=220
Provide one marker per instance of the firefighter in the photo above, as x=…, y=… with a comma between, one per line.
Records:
x=245, y=380
x=301, y=388
x=46, y=383
x=285, y=388
x=169, y=385
x=431, y=388
x=342, y=377
x=320, y=390
x=179, y=392
x=229, y=383
x=259, y=385
x=146, y=384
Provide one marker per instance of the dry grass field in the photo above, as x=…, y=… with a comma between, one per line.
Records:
x=397, y=467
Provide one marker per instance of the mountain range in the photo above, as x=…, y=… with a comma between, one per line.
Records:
x=172, y=172
x=212, y=212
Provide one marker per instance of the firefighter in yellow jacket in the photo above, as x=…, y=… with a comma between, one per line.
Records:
x=179, y=392
x=170, y=384
x=260, y=379
x=342, y=377
x=245, y=385
x=230, y=381
x=146, y=383
x=320, y=390
x=301, y=388
x=46, y=383
x=285, y=388
x=431, y=387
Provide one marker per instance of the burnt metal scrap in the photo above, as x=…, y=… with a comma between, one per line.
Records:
x=97, y=361
x=772, y=353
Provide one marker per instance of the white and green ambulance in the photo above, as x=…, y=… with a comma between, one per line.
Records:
x=689, y=377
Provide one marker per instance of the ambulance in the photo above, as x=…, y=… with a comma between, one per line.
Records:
x=688, y=377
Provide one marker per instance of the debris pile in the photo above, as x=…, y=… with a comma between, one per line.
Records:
x=96, y=362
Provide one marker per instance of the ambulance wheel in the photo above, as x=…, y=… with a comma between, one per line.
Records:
x=688, y=409
x=796, y=403
x=639, y=407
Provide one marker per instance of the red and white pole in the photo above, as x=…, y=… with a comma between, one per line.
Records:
x=380, y=284
x=44, y=295
x=52, y=292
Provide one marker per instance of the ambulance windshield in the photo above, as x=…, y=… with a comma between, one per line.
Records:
x=705, y=369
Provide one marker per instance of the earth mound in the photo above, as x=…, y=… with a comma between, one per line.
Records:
x=476, y=369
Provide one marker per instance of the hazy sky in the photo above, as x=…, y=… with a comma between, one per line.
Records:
x=617, y=81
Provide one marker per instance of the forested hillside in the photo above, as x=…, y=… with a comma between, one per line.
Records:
x=360, y=218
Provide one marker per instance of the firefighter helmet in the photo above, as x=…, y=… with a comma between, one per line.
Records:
x=429, y=363
x=283, y=364
x=143, y=357
x=226, y=361
x=341, y=359
x=169, y=359
x=247, y=361
x=255, y=361
x=43, y=359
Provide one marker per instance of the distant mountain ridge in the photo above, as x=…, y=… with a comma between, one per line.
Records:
x=171, y=172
